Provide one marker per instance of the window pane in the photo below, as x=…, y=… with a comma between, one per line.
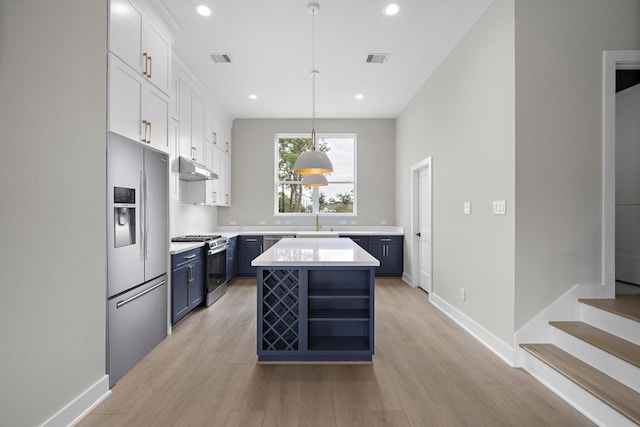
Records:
x=341, y=153
x=337, y=198
x=288, y=151
x=294, y=198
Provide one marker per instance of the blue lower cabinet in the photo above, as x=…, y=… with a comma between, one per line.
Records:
x=232, y=251
x=187, y=283
x=389, y=251
x=316, y=314
x=249, y=247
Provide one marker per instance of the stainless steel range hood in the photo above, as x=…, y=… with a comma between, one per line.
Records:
x=192, y=171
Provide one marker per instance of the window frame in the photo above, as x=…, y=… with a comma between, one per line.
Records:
x=315, y=190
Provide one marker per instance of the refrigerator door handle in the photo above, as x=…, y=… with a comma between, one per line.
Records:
x=136, y=296
x=143, y=214
x=146, y=216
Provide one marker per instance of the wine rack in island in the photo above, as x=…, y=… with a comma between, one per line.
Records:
x=316, y=314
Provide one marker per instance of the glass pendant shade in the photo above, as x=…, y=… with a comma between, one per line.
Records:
x=314, y=162
x=314, y=180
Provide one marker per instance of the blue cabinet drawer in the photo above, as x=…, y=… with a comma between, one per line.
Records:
x=182, y=258
x=385, y=240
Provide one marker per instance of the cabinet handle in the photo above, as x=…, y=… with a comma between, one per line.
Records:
x=146, y=63
x=251, y=240
x=385, y=240
x=149, y=138
x=150, y=66
x=215, y=196
x=226, y=198
x=215, y=138
x=192, y=256
x=144, y=139
x=260, y=248
x=190, y=273
x=227, y=149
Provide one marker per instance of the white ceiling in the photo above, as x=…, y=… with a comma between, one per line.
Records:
x=269, y=42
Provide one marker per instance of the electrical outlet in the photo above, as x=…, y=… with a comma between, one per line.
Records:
x=383, y=222
x=232, y=222
x=287, y=222
x=343, y=222
x=499, y=207
x=278, y=222
x=463, y=295
x=354, y=222
x=467, y=208
x=262, y=222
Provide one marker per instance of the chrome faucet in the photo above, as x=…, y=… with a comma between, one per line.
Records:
x=318, y=226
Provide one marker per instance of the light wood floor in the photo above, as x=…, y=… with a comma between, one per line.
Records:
x=427, y=371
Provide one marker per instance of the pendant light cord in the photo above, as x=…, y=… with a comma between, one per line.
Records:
x=314, y=73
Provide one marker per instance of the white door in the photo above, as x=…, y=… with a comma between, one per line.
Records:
x=627, y=261
x=425, y=228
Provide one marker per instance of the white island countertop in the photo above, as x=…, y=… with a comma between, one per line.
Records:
x=315, y=252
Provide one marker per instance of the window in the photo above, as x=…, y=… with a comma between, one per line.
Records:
x=339, y=197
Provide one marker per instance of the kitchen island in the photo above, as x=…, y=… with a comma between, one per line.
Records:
x=315, y=301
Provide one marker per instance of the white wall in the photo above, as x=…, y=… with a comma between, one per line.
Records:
x=52, y=169
x=253, y=164
x=559, y=47
x=464, y=118
x=192, y=219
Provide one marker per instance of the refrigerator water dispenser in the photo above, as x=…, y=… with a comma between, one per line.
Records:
x=124, y=216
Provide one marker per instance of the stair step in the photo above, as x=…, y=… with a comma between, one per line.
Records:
x=615, y=394
x=623, y=349
x=623, y=305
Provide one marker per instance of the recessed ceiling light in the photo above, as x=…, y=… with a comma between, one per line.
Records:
x=253, y=96
x=203, y=10
x=359, y=96
x=392, y=9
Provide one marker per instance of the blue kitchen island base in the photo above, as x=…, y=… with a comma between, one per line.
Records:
x=315, y=314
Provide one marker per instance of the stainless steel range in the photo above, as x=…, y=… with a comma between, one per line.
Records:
x=215, y=271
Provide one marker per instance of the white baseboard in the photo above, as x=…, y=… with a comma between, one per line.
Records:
x=79, y=407
x=493, y=343
x=408, y=280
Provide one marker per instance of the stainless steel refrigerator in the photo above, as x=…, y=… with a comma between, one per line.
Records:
x=138, y=247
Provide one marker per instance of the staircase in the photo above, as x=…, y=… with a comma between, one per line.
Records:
x=594, y=363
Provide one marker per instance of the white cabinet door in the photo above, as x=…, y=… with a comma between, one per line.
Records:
x=136, y=109
x=227, y=181
x=139, y=43
x=208, y=124
x=125, y=32
x=157, y=53
x=184, y=107
x=156, y=114
x=197, y=128
x=125, y=96
x=174, y=167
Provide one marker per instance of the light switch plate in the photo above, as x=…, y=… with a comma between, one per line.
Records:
x=467, y=208
x=499, y=207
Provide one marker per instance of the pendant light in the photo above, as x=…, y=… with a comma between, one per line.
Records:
x=314, y=180
x=313, y=161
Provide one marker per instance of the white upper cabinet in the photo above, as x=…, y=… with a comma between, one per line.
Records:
x=135, y=39
x=136, y=110
x=191, y=112
x=209, y=131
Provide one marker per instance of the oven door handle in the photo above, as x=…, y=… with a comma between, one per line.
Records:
x=217, y=250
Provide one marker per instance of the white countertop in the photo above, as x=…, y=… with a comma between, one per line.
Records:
x=179, y=247
x=315, y=252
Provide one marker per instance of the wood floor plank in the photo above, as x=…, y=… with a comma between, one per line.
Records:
x=426, y=371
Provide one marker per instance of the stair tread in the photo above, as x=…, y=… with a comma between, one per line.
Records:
x=623, y=305
x=621, y=348
x=617, y=395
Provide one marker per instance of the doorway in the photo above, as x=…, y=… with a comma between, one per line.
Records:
x=613, y=63
x=421, y=224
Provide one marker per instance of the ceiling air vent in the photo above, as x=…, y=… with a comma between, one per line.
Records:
x=220, y=58
x=377, y=58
